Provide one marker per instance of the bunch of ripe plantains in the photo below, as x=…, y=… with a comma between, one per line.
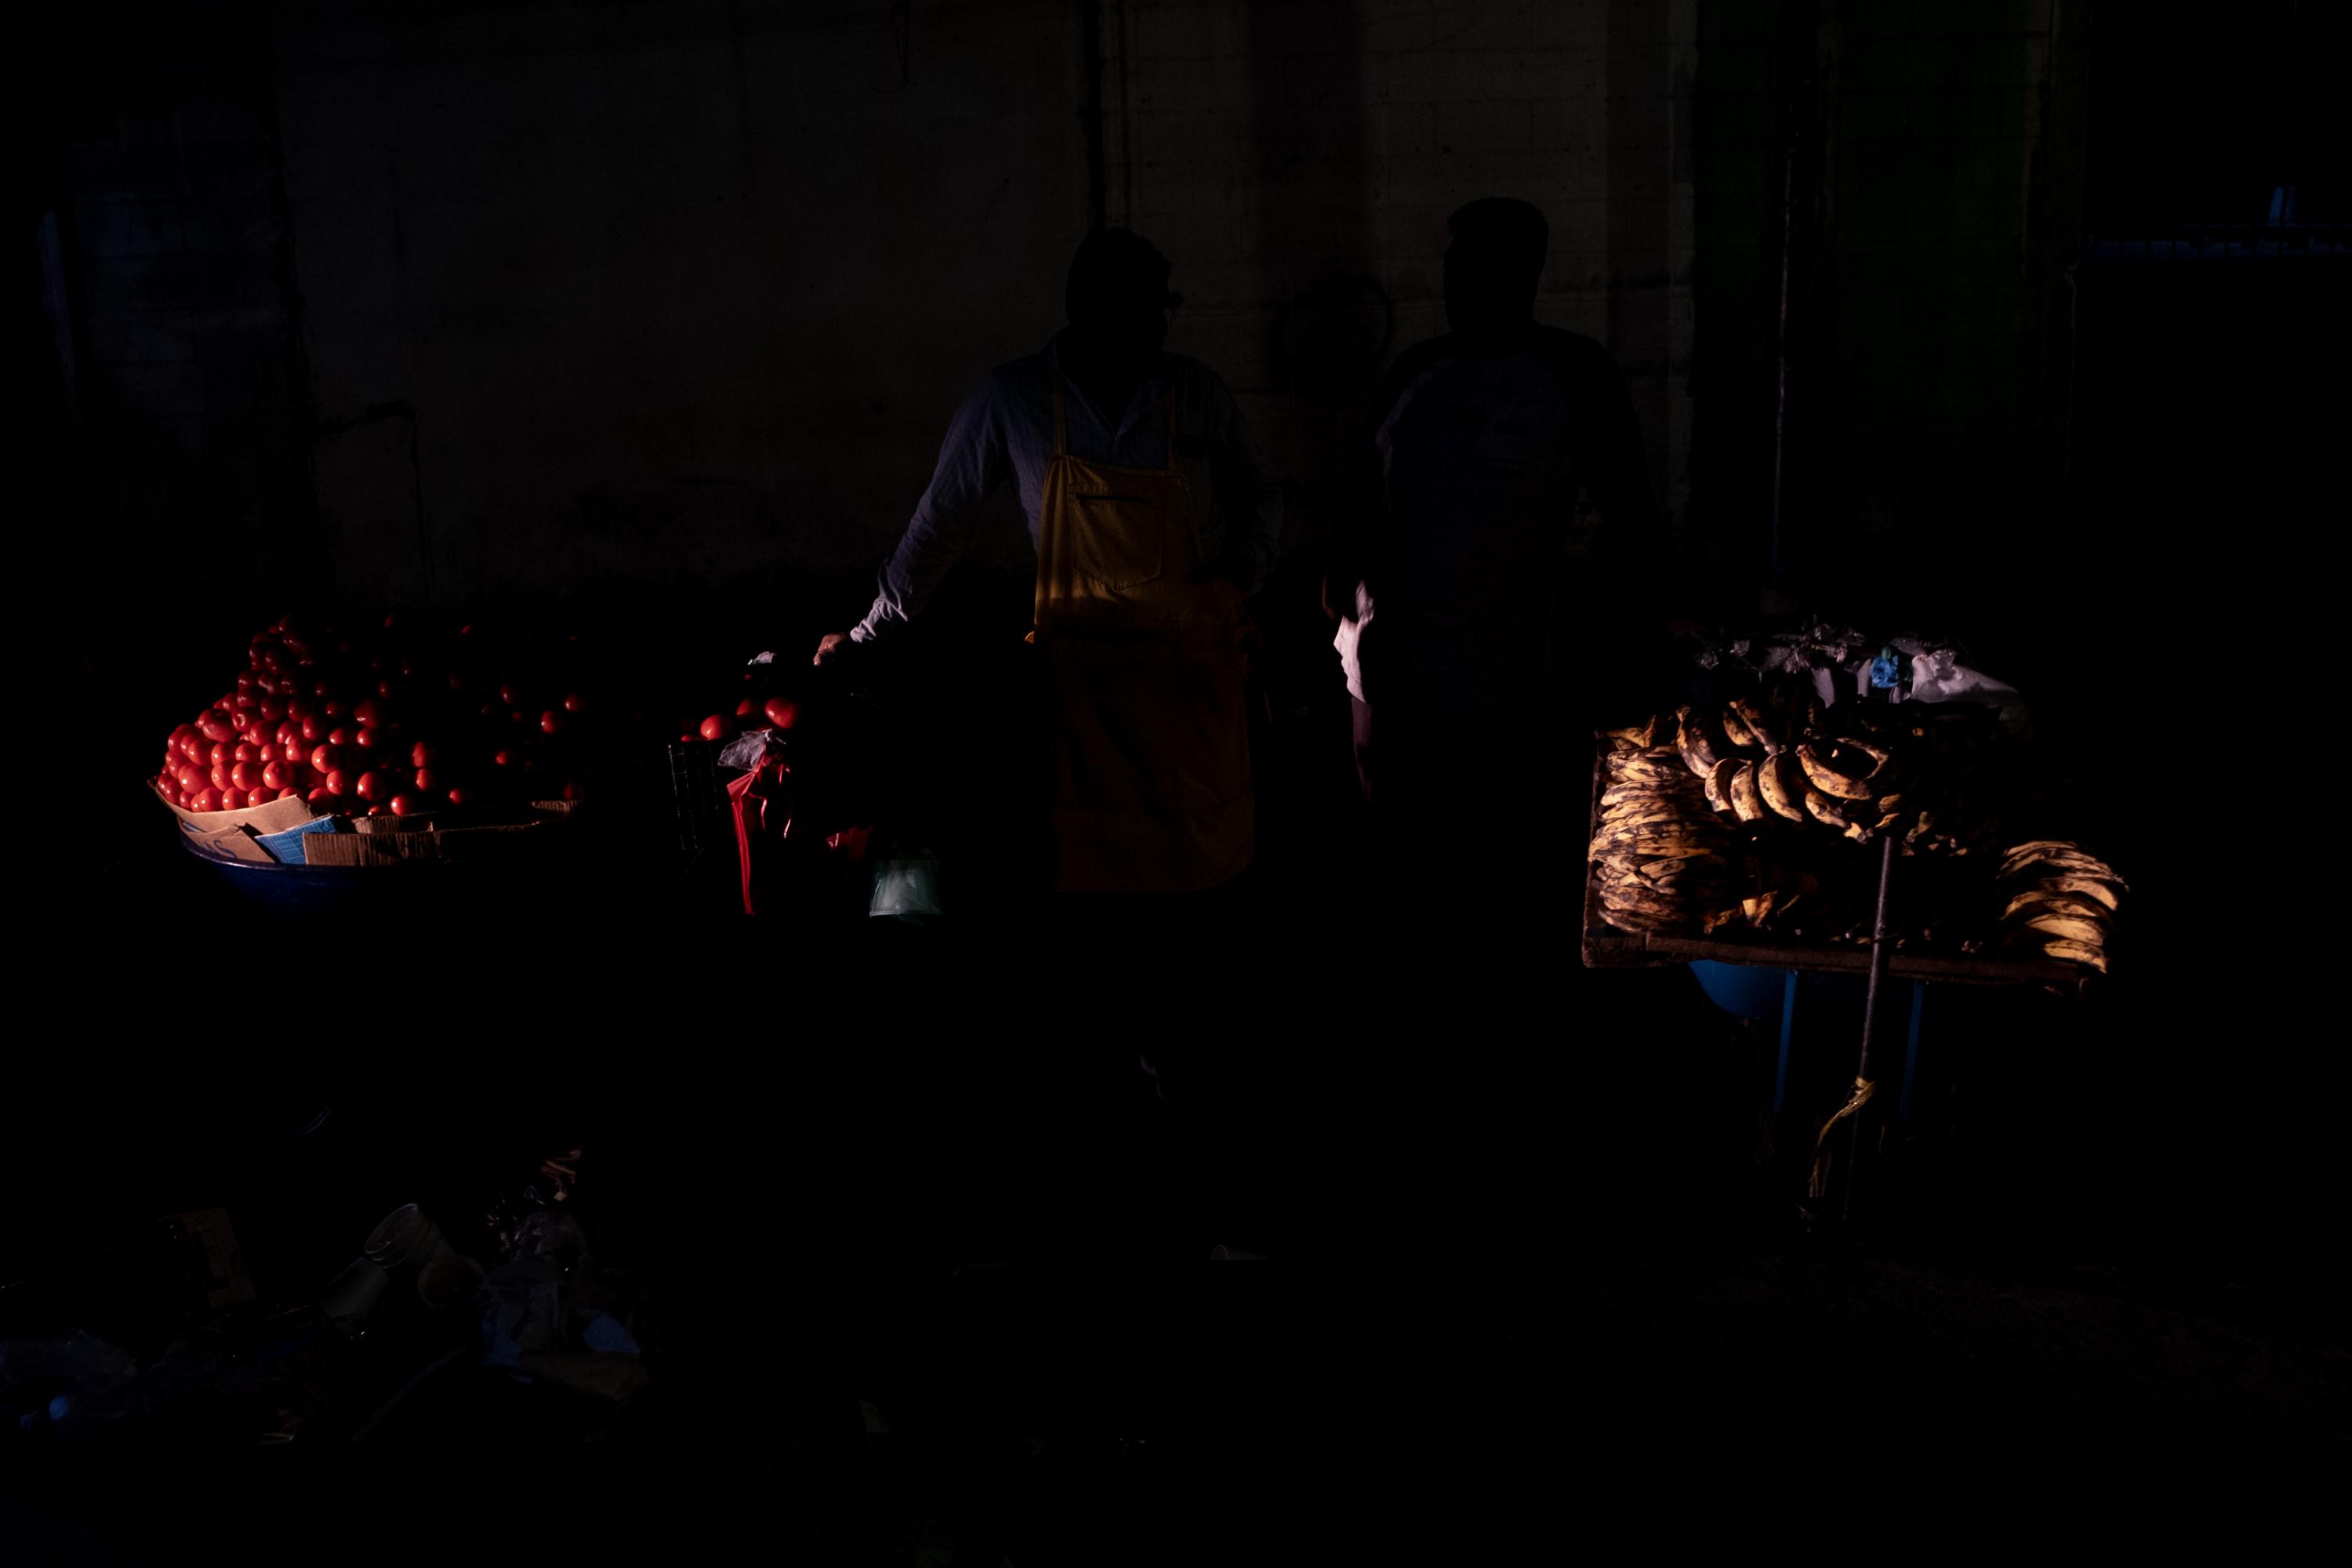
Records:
x=1753, y=813
x=2060, y=899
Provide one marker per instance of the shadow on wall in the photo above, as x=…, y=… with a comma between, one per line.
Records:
x=1332, y=323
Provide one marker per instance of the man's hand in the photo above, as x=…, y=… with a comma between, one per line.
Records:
x=831, y=647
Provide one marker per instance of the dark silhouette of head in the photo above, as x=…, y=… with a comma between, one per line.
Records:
x=1492, y=266
x=1118, y=300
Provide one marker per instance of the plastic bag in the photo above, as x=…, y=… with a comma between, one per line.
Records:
x=906, y=888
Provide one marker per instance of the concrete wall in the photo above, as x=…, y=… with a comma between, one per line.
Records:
x=172, y=468
x=1298, y=161
x=680, y=296
x=1928, y=309
x=674, y=294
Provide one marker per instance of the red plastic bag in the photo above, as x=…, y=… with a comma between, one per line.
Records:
x=764, y=803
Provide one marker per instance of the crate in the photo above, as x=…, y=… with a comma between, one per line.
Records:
x=698, y=798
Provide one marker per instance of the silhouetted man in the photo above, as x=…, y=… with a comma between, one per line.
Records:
x=1452, y=525
x=1152, y=520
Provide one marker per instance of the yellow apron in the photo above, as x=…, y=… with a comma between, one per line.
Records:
x=1145, y=677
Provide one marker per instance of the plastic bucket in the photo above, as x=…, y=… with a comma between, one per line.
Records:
x=1742, y=990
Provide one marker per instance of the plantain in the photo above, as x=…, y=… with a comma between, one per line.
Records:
x=2060, y=855
x=1758, y=725
x=1876, y=754
x=1780, y=781
x=1643, y=767
x=2050, y=900
x=1638, y=737
x=1829, y=780
x=1823, y=809
x=2072, y=928
x=1734, y=729
x=1699, y=752
x=1747, y=800
x=1713, y=781
x=2064, y=863
x=2097, y=890
x=2078, y=953
x=1667, y=853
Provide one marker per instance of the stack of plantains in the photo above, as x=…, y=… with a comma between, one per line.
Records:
x=1661, y=862
x=2061, y=901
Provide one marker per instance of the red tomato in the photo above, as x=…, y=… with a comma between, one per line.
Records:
x=327, y=758
x=340, y=735
x=369, y=713
x=220, y=751
x=551, y=720
x=245, y=682
x=247, y=701
x=339, y=783
x=490, y=710
x=288, y=794
x=570, y=790
x=334, y=707
x=242, y=752
x=459, y=795
x=375, y=811
x=386, y=687
x=782, y=713
x=427, y=779
x=685, y=737
x=315, y=727
x=217, y=727
x=504, y=759
x=365, y=738
x=407, y=805
x=517, y=717
x=280, y=776
x=232, y=799
x=745, y=709
x=321, y=795
x=267, y=752
x=510, y=694
x=219, y=775
x=575, y=703
x=374, y=785
x=272, y=710
x=717, y=726
x=422, y=754
x=245, y=776
x=206, y=799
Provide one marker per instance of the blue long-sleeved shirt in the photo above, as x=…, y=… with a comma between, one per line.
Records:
x=1006, y=431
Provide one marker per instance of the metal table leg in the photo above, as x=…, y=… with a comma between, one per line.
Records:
x=1911, y=1051
x=1788, y=1030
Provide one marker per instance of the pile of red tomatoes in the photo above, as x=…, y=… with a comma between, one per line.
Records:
x=385, y=721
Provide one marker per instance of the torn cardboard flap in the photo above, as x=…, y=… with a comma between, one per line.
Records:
x=275, y=817
x=234, y=844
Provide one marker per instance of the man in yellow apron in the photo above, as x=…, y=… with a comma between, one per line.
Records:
x=1153, y=519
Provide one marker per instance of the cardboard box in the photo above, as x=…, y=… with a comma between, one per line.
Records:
x=275, y=817
x=381, y=848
